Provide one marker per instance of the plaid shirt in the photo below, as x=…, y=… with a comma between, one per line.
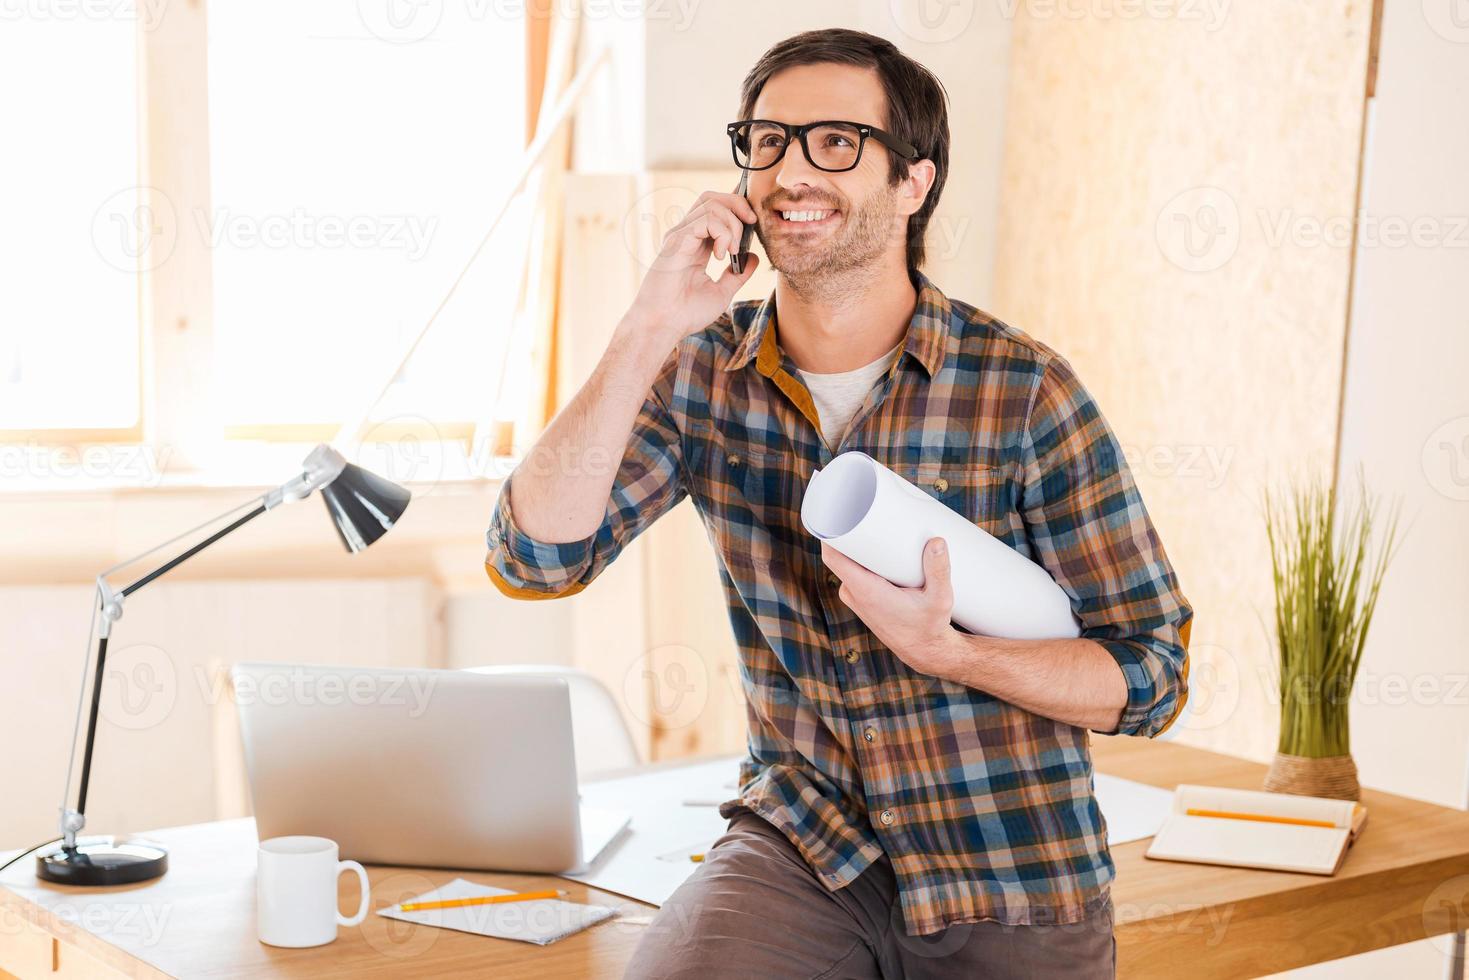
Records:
x=986, y=810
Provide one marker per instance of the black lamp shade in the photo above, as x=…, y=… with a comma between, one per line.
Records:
x=363, y=506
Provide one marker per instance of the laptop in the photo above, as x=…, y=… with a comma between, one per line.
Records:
x=420, y=768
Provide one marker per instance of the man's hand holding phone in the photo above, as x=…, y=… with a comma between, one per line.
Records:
x=677, y=296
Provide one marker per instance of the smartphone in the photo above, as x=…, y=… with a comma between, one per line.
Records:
x=737, y=257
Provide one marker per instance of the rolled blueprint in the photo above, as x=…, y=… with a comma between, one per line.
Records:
x=881, y=521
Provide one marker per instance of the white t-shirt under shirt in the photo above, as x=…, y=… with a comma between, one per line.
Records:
x=838, y=396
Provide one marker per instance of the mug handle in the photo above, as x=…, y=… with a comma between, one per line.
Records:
x=361, y=877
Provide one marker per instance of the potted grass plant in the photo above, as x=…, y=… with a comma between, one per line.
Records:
x=1327, y=574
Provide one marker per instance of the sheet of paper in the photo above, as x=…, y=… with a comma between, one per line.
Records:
x=881, y=521
x=651, y=860
x=539, y=920
x=1133, y=810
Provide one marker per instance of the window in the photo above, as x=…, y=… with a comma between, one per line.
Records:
x=76, y=223
x=355, y=165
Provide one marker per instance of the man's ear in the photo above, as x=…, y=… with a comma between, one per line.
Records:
x=913, y=189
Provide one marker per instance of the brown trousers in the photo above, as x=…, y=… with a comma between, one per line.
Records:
x=754, y=908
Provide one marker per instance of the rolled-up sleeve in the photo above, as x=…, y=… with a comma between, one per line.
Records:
x=1090, y=530
x=648, y=483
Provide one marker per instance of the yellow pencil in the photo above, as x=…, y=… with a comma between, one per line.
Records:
x=1301, y=821
x=454, y=903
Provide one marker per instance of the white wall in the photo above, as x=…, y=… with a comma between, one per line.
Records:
x=1406, y=414
x=1406, y=420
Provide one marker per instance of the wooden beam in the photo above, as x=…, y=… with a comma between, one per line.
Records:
x=538, y=16
x=1374, y=48
x=177, y=278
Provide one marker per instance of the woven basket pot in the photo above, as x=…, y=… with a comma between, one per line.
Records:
x=1333, y=776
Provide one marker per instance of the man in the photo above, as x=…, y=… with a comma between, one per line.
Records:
x=917, y=800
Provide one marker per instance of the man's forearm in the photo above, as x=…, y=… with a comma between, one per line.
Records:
x=1074, y=681
x=560, y=490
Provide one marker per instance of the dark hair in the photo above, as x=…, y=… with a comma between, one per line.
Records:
x=916, y=109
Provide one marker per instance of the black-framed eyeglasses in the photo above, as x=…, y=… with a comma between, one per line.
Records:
x=832, y=145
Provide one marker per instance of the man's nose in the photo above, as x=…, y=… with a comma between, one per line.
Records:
x=794, y=171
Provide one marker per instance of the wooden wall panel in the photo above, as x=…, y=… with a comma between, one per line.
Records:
x=1175, y=220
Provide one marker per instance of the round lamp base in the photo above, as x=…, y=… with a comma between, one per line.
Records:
x=103, y=861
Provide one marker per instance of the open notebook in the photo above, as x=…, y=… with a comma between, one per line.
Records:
x=1310, y=834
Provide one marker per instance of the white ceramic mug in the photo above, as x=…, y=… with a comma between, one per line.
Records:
x=296, y=891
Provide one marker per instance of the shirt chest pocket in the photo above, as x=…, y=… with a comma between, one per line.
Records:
x=735, y=469
x=982, y=493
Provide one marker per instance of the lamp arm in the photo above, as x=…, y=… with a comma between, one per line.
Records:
x=321, y=467
x=108, y=610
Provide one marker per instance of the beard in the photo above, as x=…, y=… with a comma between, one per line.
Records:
x=810, y=261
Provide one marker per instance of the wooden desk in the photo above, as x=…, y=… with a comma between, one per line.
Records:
x=1396, y=885
x=199, y=919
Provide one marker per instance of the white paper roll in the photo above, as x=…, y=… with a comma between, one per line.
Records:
x=881, y=521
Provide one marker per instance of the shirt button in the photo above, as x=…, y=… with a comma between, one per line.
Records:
x=852, y=656
x=869, y=733
x=887, y=817
x=941, y=485
x=732, y=459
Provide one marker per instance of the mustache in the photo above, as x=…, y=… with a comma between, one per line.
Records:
x=804, y=204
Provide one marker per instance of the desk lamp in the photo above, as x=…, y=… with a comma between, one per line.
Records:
x=362, y=508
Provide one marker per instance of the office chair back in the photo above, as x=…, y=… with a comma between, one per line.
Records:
x=599, y=733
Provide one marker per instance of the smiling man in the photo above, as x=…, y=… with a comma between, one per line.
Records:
x=916, y=800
